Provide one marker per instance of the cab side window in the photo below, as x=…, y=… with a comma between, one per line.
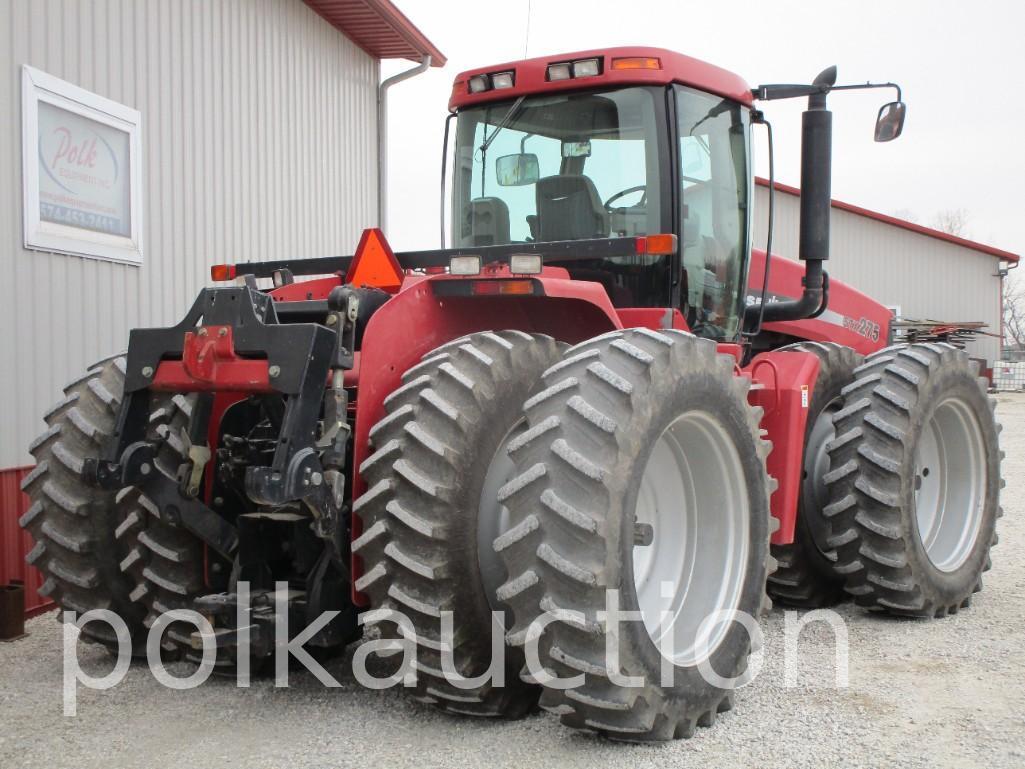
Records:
x=714, y=195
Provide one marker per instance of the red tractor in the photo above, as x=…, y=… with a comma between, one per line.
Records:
x=599, y=389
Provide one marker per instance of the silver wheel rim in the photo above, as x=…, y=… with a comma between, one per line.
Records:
x=493, y=517
x=950, y=484
x=694, y=496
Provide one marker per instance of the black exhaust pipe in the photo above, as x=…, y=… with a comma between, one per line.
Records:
x=816, y=174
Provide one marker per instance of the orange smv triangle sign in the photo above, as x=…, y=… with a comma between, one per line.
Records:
x=374, y=263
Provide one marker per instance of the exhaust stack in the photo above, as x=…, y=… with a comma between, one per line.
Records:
x=816, y=201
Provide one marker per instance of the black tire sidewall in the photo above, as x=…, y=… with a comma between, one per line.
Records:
x=828, y=390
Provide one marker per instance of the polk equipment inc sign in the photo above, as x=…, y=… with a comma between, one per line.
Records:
x=83, y=180
x=81, y=164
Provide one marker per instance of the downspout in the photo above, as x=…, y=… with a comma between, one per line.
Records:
x=382, y=132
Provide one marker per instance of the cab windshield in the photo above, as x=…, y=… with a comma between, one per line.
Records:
x=558, y=167
x=567, y=167
x=601, y=164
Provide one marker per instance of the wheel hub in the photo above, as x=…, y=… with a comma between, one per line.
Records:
x=950, y=484
x=693, y=495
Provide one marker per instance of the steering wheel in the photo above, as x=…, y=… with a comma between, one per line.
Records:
x=639, y=188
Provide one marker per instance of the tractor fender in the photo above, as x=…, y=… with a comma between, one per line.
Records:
x=783, y=382
x=416, y=321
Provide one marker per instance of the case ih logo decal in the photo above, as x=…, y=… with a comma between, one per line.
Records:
x=83, y=179
x=862, y=326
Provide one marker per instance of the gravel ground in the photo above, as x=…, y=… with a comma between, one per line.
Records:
x=921, y=694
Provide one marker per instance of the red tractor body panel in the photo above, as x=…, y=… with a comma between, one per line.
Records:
x=782, y=384
x=852, y=318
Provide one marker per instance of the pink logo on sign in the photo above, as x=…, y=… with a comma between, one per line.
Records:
x=76, y=162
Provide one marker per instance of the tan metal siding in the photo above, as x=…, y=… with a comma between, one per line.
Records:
x=926, y=277
x=259, y=141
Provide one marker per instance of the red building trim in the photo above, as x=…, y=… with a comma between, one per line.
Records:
x=379, y=28
x=982, y=248
x=15, y=543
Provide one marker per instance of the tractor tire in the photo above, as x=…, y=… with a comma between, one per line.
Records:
x=73, y=523
x=431, y=502
x=805, y=577
x=642, y=463
x=915, y=483
x=163, y=561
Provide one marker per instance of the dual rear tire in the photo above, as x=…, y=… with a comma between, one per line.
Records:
x=100, y=549
x=914, y=482
x=636, y=470
x=641, y=486
x=901, y=483
x=430, y=507
x=73, y=524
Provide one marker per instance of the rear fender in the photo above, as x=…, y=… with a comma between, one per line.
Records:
x=783, y=384
x=416, y=321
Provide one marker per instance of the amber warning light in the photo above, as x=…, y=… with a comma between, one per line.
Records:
x=637, y=62
x=222, y=272
x=656, y=244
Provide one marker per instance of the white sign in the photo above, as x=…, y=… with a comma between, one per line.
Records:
x=81, y=170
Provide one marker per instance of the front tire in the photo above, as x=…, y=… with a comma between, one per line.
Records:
x=915, y=482
x=73, y=523
x=431, y=488
x=641, y=464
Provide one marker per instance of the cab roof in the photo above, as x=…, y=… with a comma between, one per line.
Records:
x=531, y=76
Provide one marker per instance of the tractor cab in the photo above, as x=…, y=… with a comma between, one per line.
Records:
x=620, y=145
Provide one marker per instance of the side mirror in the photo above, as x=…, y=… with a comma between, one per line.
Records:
x=517, y=170
x=890, y=121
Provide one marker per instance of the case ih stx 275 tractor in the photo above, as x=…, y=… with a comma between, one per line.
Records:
x=599, y=397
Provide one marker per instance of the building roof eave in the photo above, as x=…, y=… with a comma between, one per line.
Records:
x=379, y=28
x=894, y=221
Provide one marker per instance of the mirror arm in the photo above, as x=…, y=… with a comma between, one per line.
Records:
x=860, y=86
x=786, y=91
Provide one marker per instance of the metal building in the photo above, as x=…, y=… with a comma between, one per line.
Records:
x=250, y=131
x=919, y=272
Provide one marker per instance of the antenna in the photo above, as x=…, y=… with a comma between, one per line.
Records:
x=526, y=37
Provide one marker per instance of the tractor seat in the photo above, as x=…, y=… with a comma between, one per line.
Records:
x=569, y=208
x=486, y=222
x=699, y=258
